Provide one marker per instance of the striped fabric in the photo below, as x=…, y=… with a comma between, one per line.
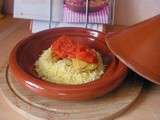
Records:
x=94, y=17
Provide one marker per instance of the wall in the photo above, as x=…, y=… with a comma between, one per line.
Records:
x=129, y=12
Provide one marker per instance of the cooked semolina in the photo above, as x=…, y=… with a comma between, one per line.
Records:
x=67, y=71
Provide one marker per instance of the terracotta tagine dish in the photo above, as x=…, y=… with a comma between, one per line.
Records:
x=138, y=47
x=26, y=53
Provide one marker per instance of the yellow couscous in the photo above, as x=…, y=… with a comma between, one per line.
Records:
x=64, y=71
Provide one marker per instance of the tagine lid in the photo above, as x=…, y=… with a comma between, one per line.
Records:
x=138, y=47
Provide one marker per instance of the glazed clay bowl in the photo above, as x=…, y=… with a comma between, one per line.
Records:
x=27, y=51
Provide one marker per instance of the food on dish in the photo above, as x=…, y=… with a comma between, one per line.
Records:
x=69, y=61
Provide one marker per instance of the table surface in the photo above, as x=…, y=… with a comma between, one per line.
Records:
x=145, y=108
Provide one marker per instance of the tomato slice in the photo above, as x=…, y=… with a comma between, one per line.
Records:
x=65, y=47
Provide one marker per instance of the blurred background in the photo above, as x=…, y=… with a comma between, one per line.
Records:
x=128, y=12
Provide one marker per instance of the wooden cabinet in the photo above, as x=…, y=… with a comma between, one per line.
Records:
x=8, y=6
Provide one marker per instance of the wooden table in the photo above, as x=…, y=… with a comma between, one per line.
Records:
x=145, y=108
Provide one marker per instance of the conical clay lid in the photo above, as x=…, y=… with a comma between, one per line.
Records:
x=138, y=47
